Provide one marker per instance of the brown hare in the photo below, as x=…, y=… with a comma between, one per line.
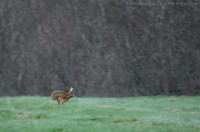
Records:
x=61, y=96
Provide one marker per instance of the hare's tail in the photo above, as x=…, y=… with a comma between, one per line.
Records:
x=52, y=101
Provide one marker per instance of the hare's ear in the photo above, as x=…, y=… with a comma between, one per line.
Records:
x=71, y=89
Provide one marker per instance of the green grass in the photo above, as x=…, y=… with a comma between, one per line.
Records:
x=136, y=114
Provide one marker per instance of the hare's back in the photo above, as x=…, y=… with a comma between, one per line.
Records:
x=56, y=94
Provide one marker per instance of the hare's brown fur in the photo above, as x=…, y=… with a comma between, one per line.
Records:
x=62, y=97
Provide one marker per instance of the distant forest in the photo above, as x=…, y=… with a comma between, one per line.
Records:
x=100, y=47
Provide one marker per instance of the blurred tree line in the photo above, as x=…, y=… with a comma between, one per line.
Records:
x=100, y=47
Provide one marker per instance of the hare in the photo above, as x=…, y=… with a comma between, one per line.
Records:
x=61, y=96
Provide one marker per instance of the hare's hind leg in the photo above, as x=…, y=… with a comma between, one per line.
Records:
x=59, y=100
x=62, y=102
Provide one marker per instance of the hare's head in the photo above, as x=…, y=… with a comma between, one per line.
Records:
x=70, y=93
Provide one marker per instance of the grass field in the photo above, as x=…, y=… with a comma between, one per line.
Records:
x=136, y=114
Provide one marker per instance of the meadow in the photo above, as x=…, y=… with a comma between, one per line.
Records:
x=127, y=114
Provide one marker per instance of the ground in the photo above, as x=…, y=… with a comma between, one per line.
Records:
x=129, y=114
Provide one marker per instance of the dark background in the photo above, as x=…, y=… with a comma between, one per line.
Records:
x=100, y=47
